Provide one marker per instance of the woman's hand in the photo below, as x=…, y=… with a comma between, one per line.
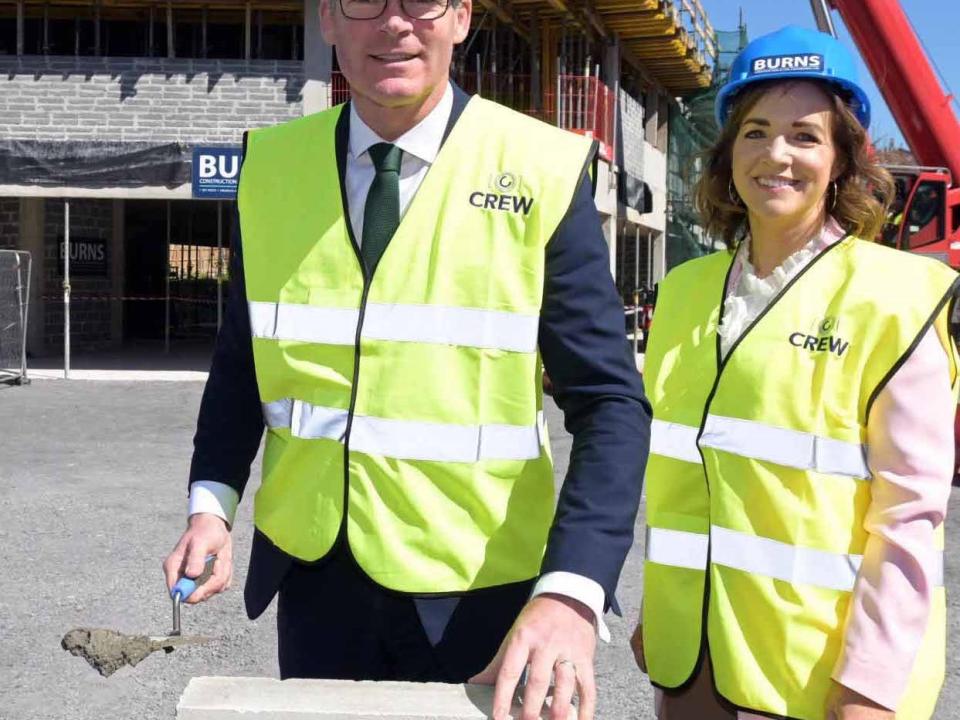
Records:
x=636, y=644
x=846, y=704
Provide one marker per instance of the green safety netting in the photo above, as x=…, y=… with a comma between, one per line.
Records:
x=693, y=130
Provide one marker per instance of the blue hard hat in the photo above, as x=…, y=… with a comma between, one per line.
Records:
x=791, y=53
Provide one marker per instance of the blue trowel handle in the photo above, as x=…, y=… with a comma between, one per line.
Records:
x=185, y=586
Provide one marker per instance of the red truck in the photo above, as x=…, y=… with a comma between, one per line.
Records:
x=926, y=219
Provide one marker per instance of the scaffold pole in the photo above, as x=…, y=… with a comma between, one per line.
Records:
x=636, y=290
x=219, y=264
x=166, y=285
x=66, y=289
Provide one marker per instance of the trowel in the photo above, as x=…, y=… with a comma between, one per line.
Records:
x=107, y=650
x=182, y=590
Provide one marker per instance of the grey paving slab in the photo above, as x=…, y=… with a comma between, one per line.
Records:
x=92, y=496
x=217, y=698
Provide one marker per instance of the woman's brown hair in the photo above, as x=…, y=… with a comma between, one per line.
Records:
x=863, y=191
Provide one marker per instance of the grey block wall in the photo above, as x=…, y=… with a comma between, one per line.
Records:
x=631, y=119
x=90, y=305
x=145, y=99
x=9, y=223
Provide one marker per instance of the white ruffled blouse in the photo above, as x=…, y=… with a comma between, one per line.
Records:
x=749, y=295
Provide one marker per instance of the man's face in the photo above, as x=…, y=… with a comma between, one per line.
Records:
x=394, y=60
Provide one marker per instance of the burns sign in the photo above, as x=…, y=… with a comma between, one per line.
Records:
x=216, y=172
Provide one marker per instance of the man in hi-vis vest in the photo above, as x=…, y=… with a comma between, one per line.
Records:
x=408, y=260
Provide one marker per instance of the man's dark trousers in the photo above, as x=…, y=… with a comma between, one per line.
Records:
x=334, y=622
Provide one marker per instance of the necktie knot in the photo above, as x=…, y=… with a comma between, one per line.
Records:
x=386, y=157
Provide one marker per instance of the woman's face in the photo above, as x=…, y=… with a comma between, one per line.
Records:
x=784, y=156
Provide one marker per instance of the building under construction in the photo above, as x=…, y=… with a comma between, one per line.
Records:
x=121, y=121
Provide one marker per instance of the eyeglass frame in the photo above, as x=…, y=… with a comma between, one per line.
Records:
x=403, y=9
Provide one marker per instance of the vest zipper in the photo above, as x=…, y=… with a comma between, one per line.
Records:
x=367, y=282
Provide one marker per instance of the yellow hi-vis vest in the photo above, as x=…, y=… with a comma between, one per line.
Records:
x=404, y=412
x=757, y=482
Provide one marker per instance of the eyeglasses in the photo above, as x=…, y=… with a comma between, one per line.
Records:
x=415, y=9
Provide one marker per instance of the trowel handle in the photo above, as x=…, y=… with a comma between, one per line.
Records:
x=185, y=586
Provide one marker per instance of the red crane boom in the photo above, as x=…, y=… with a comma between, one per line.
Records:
x=900, y=67
x=925, y=215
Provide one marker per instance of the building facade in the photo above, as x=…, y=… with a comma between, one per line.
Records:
x=107, y=110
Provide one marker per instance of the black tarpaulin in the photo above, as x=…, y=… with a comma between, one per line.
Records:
x=634, y=192
x=93, y=163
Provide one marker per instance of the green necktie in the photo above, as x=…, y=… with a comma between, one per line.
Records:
x=381, y=213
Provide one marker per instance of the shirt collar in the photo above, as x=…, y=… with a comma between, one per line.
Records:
x=830, y=234
x=422, y=141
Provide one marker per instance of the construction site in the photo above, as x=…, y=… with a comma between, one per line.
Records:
x=107, y=108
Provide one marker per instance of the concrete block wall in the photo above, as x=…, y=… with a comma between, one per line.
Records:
x=631, y=125
x=9, y=223
x=90, y=306
x=655, y=175
x=145, y=99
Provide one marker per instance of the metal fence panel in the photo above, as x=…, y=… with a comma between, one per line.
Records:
x=15, y=266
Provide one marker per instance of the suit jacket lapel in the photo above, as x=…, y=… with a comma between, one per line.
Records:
x=341, y=142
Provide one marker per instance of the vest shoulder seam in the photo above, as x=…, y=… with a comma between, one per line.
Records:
x=330, y=115
x=944, y=301
x=526, y=121
x=721, y=259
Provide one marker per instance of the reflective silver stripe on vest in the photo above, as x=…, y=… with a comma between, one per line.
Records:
x=790, y=448
x=677, y=548
x=801, y=450
x=306, y=323
x=762, y=556
x=434, y=324
x=408, y=439
x=791, y=563
x=673, y=440
x=468, y=327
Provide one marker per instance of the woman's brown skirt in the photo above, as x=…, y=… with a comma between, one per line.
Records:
x=698, y=700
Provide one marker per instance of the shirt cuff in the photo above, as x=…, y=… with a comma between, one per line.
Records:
x=871, y=679
x=576, y=587
x=207, y=496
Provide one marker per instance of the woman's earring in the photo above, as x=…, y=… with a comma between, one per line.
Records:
x=732, y=192
x=833, y=203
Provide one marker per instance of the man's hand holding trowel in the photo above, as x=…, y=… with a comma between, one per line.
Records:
x=206, y=535
x=200, y=565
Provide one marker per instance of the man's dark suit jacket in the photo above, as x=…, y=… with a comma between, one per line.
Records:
x=585, y=354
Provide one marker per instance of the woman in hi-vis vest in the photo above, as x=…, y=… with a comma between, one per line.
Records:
x=803, y=384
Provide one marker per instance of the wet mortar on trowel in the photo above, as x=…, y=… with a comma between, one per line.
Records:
x=108, y=650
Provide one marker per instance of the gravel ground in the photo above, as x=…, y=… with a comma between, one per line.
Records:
x=92, y=496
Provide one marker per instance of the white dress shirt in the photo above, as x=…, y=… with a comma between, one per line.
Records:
x=420, y=146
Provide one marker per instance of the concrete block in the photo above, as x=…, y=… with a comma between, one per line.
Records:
x=230, y=698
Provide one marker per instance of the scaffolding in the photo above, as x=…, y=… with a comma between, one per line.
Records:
x=693, y=130
x=15, y=268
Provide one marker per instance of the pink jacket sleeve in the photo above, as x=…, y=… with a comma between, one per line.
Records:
x=911, y=455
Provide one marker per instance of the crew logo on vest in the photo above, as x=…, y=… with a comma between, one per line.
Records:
x=504, y=182
x=504, y=196
x=825, y=339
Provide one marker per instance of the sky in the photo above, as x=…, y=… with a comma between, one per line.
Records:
x=937, y=23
